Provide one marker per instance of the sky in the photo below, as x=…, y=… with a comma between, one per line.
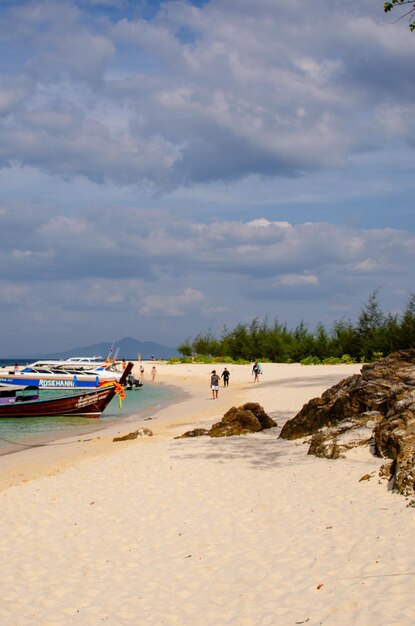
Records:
x=172, y=167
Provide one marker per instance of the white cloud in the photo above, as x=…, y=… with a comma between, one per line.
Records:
x=14, y=90
x=261, y=89
x=205, y=164
x=171, y=305
x=12, y=293
x=296, y=280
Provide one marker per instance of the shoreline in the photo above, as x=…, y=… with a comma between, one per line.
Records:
x=195, y=408
x=90, y=426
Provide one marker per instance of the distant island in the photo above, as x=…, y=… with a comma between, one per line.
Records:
x=126, y=348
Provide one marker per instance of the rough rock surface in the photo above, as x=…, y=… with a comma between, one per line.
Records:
x=248, y=418
x=141, y=432
x=377, y=408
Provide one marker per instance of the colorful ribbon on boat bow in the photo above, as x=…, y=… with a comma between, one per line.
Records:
x=120, y=391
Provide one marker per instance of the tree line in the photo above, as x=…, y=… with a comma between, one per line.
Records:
x=375, y=335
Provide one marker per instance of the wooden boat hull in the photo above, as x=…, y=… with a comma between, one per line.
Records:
x=87, y=404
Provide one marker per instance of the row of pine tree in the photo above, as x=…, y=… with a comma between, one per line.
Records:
x=373, y=336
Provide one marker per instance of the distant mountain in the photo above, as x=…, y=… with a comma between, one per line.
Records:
x=128, y=348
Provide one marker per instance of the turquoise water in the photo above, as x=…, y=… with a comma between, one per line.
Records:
x=17, y=434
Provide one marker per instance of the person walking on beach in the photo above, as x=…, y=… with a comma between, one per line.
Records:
x=153, y=373
x=256, y=370
x=214, y=384
x=225, y=375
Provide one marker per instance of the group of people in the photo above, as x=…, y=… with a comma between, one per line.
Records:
x=215, y=378
x=153, y=373
x=153, y=370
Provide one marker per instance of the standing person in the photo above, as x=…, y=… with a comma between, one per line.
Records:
x=256, y=370
x=225, y=375
x=124, y=364
x=214, y=384
x=153, y=373
x=141, y=371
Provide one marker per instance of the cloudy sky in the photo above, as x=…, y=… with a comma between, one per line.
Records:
x=170, y=167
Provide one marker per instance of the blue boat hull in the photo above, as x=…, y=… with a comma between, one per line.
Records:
x=74, y=382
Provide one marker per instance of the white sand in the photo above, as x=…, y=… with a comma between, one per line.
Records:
x=242, y=531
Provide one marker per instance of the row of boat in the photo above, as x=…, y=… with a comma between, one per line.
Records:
x=83, y=372
x=100, y=381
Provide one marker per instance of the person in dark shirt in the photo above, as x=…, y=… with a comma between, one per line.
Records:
x=225, y=375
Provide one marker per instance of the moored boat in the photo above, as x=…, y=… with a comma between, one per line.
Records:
x=63, y=375
x=16, y=401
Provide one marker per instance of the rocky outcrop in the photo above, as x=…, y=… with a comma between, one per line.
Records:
x=249, y=418
x=141, y=432
x=377, y=408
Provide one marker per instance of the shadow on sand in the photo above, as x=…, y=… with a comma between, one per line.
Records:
x=261, y=450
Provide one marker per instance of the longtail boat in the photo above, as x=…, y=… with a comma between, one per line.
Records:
x=19, y=402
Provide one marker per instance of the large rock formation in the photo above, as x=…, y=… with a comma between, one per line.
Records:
x=376, y=407
x=248, y=418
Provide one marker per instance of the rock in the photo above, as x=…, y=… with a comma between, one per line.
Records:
x=141, y=432
x=365, y=477
x=196, y=432
x=385, y=470
x=249, y=418
x=236, y=421
x=265, y=420
x=334, y=405
x=376, y=407
x=334, y=442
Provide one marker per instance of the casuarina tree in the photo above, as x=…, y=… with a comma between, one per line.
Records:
x=409, y=13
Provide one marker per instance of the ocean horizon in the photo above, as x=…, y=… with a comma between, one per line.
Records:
x=12, y=362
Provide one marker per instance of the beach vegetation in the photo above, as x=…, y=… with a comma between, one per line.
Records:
x=311, y=360
x=185, y=348
x=375, y=335
x=345, y=359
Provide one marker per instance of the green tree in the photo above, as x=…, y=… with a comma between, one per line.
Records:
x=236, y=343
x=345, y=339
x=260, y=340
x=393, y=4
x=322, y=343
x=375, y=334
x=185, y=348
x=303, y=343
x=206, y=344
x=370, y=326
x=407, y=325
x=280, y=343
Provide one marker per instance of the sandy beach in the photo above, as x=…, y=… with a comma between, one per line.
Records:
x=241, y=531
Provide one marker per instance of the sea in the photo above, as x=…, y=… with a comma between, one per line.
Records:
x=20, y=433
